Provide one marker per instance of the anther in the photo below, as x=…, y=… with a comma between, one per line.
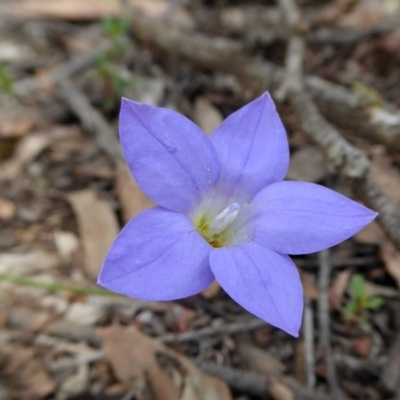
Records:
x=224, y=218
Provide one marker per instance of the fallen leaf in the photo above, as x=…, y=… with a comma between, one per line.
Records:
x=131, y=198
x=307, y=164
x=371, y=234
x=207, y=116
x=309, y=286
x=66, y=243
x=170, y=375
x=28, y=263
x=98, y=228
x=27, y=149
x=85, y=313
x=77, y=10
x=362, y=346
x=260, y=360
x=25, y=373
x=368, y=13
x=338, y=288
x=212, y=291
x=7, y=209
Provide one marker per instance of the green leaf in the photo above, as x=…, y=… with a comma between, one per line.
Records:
x=374, y=302
x=357, y=285
x=349, y=309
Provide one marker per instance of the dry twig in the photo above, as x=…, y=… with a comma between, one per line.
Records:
x=324, y=322
x=347, y=109
x=91, y=119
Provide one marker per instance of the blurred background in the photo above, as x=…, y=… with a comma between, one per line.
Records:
x=65, y=193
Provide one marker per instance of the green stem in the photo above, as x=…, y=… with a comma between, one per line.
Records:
x=20, y=280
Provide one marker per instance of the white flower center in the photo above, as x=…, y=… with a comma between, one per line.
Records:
x=224, y=218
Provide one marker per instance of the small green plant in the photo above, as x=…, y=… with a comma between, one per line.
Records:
x=115, y=83
x=5, y=80
x=359, y=304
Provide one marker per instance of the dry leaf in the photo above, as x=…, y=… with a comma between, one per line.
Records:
x=368, y=13
x=260, y=360
x=307, y=165
x=25, y=373
x=28, y=263
x=170, y=375
x=338, y=288
x=371, y=234
x=88, y=10
x=308, y=283
x=7, y=209
x=66, y=243
x=98, y=228
x=131, y=198
x=212, y=291
x=391, y=258
x=362, y=346
x=206, y=115
x=26, y=151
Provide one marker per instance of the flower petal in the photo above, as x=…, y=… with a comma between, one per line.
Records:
x=301, y=218
x=252, y=148
x=172, y=160
x=262, y=281
x=157, y=256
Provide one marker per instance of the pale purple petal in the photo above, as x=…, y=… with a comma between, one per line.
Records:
x=301, y=218
x=263, y=282
x=252, y=147
x=172, y=160
x=157, y=256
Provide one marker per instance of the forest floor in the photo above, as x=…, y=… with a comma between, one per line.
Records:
x=333, y=68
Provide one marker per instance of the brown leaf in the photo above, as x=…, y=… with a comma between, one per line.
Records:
x=98, y=228
x=338, y=288
x=212, y=291
x=78, y=10
x=206, y=115
x=307, y=164
x=25, y=374
x=371, y=234
x=7, y=209
x=309, y=287
x=26, y=151
x=171, y=376
x=131, y=198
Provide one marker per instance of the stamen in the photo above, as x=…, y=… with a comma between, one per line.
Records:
x=224, y=218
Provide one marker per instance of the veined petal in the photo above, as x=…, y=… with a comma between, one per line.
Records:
x=172, y=160
x=263, y=282
x=301, y=218
x=252, y=148
x=157, y=256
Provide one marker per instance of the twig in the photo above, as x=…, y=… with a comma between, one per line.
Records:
x=348, y=161
x=295, y=49
x=390, y=376
x=347, y=109
x=91, y=119
x=28, y=85
x=324, y=322
x=308, y=331
x=234, y=327
x=256, y=384
x=247, y=382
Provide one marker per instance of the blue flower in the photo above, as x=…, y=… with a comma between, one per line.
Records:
x=224, y=212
